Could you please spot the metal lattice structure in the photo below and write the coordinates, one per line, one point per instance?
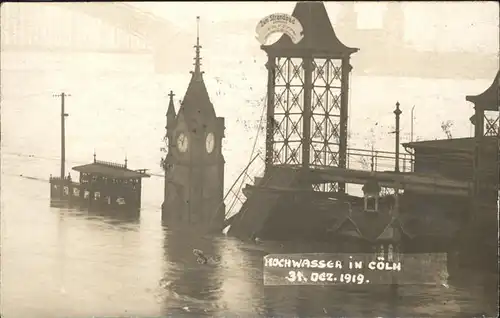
(288, 111)
(486, 122)
(326, 116)
(310, 126)
(308, 87)
(58, 26)
(491, 123)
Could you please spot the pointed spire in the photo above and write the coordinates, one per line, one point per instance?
(197, 60)
(171, 111)
(196, 106)
(94, 156)
(126, 161)
(171, 107)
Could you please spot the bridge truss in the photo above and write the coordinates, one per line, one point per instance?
(75, 27)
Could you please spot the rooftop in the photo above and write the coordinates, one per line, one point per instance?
(319, 36)
(490, 98)
(111, 169)
(196, 105)
(458, 144)
(374, 226)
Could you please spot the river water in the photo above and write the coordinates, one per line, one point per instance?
(67, 263)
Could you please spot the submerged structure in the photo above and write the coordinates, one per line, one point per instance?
(102, 186)
(194, 164)
(302, 194)
(476, 160)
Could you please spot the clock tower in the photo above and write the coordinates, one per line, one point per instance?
(194, 165)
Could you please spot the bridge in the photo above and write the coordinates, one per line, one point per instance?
(125, 29)
(70, 27)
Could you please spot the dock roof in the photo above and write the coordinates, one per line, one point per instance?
(377, 226)
(457, 144)
(111, 169)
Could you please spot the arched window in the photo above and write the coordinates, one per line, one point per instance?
(371, 191)
(390, 251)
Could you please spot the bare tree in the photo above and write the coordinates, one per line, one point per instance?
(164, 150)
(446, 128)
(364, 160)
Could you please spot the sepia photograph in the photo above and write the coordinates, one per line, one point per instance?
(249, 159)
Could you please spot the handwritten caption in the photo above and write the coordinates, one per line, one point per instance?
(331, 269)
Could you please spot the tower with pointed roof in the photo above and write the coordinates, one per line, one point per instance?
(194, 166)
(308, 91)
(348, 17)
(486, 120)
(394, 23)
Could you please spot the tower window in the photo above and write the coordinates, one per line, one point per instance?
(371, 203)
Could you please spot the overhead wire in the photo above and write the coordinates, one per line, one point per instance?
(18, 154)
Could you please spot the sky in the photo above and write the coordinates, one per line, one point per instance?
(436, 25)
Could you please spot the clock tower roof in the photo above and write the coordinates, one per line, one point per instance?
(171, 107)
(196, 105)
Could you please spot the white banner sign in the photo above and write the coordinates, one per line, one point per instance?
(279, 23)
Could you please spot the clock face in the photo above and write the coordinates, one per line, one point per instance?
(210, 142)
(182, 142)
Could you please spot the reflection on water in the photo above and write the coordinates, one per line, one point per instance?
(58, 262)
(189, 286)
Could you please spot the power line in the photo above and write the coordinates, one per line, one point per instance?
(37, 157)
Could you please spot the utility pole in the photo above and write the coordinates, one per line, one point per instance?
(397, 112)
(411, 136)
(412, 119)
(63, 134)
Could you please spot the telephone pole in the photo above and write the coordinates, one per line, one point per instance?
(63, 134)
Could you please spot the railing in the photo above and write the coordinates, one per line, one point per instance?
(360, 159)
(59, 179)
(62, 181)
(111, 164)
(235, 197)
(378, 160)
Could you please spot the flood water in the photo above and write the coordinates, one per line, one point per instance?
(66, 263)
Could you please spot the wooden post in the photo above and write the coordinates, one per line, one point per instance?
(478, 137)
(396, 238)
(139, 192)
